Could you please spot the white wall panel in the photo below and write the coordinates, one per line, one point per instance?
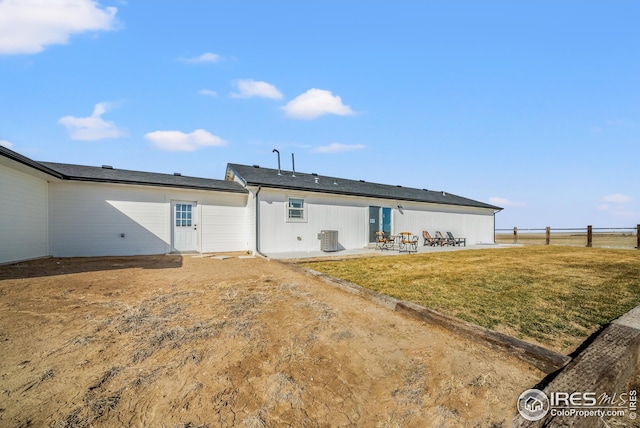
(474, 224)
(350, 217)
(23, 215)
(324, 212)
(223, 223)
(87, 219)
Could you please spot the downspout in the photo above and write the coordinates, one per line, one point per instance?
(258, 224)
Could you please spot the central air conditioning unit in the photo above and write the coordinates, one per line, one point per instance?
(328, 240)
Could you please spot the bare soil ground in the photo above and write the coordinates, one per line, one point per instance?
(199, 342)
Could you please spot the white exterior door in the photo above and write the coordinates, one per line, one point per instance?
(184, 226)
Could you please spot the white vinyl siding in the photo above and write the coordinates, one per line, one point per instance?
(41, 215)
(89, 219)
(23, 216)
(334, 213)
(350, 217)
(296, 210)
(222, 224)
(474, 224)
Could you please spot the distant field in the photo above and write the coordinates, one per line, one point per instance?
(603, 240)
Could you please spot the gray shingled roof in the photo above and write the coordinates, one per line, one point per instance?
(267, 177)
(28, 162)
(123, 176)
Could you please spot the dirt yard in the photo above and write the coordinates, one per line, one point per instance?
(170, 341)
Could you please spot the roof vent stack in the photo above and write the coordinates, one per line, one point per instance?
(293, 165)
(276, 151)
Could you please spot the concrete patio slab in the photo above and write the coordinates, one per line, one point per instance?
(371, 251)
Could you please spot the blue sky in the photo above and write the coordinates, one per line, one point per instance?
(530, 105)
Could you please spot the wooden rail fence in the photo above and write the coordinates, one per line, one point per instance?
(589, 232)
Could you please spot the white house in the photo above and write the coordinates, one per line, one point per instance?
(63, 210)
(289, 209)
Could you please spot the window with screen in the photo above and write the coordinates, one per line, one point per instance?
(296, 209)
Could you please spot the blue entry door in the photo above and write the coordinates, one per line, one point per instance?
(386, 220)
(379, 221)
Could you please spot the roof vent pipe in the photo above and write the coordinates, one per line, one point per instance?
(293, 165)
(276, 151)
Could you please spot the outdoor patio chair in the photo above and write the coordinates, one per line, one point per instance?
(384, 242)
(428, 239)
(408, 242)
(456, 241)
(441, 240)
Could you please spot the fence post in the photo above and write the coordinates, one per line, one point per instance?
(547, 235)
(515, 235)
(638, 238)
(589, 236)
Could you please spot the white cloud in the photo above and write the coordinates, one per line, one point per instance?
(178, 141)
(315, 103)
(504, 202)
(207, 57)
(27, 26)
(616, 198)
(619, 211)
(208, 92)
(250, 88)
(91, 128)
(616, 205)
(338, 148)
(6, 143)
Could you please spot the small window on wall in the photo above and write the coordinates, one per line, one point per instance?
(296, 210)
(183, 215)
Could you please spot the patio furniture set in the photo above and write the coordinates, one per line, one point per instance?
(403, 242)
(440, 240)
(408, 242)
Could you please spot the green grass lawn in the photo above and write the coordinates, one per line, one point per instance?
(555, 296)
